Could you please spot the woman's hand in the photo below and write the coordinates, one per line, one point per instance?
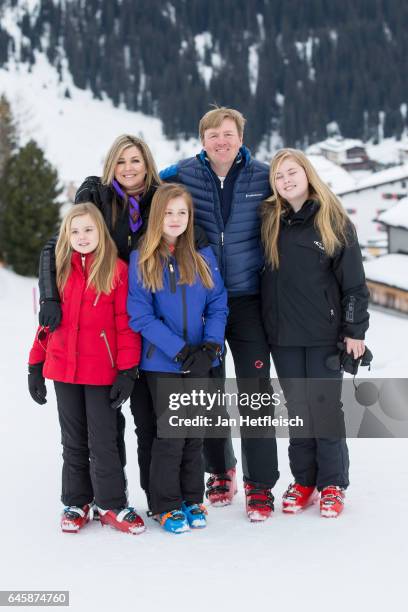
(357, 347)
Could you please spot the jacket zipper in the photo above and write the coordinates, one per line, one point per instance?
(96, 299)
(83, 262)
(172, 278)
(103, 335)
(184, 300)
(219, 219)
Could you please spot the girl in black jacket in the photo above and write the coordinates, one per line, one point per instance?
(313, 296)
(123, 194)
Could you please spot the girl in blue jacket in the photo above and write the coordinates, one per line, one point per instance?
(177, 301)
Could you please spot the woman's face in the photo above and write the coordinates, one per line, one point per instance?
(291, 182)
(175, 219)
(84, 235)
(130, 170)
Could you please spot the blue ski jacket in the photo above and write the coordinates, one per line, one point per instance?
(177, 314)
(236, 244)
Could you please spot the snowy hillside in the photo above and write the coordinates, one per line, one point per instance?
(76, 132)
(291, 562)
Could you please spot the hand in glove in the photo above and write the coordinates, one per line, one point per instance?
(123, 386)
(36, 383)
(199, 362)
(50, 314)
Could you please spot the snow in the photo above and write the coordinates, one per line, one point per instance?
(77, 132)
(357, 561)
(203, 42)
(389, 269)
(253, 67)
(334, 175)
(397, 216)
(391, 175)
(338, 144)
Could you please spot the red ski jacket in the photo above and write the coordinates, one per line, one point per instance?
(94, 339)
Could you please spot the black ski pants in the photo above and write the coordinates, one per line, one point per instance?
(144, 417)
(92, 468)
(176, 467)
(246, 339)
(318, 453)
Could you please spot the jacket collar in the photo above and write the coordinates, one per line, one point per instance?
(81, 262)
(308, 210)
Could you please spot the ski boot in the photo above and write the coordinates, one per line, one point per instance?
(221, 488)
(297, 498)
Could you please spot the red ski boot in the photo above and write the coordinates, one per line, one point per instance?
(331, 501)
(125, 519)
(298, 497)
(74, 518)
(259, 503)
(221, 488)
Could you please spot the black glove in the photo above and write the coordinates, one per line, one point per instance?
(123, 386)
(36, 383)
(50, 314)
(199, 362)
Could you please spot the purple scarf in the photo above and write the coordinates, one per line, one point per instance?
(135, 218)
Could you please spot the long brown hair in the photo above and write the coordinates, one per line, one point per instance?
(119, 145)
(154, 251)
(331, 220)
(102, 270)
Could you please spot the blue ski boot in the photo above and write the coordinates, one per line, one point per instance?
(174, 521)
(196, 515)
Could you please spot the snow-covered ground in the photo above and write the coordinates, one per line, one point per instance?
(290, 563)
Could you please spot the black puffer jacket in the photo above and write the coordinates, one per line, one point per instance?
(313, 299)
(92, 190)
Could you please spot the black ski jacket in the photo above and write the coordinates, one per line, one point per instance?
(313, 299)
(92, 190)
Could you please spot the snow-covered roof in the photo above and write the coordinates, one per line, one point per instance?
(334, 175)
(388, 270)
(391, 175)
(337, 145)
(397, 216)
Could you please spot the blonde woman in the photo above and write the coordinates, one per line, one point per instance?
(92, 358)
(177, 301)
(313, 296)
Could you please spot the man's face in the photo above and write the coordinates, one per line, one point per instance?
(222, 144)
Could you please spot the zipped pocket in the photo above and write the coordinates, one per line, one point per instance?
(332, 313)
(150, 351)
(103, 335)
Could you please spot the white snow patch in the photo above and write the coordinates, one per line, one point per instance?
(388, 269)
(253, 67)
(397, 216)
(261, 26)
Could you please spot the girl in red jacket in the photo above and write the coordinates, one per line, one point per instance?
(92, 358)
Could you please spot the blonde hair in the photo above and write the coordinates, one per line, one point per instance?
(119, 145)
(154, 251)
(331, 220)
(102, 270)
(215, 117)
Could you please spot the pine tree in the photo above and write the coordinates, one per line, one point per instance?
(8, 133)
(8, 142)
(30, 211)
